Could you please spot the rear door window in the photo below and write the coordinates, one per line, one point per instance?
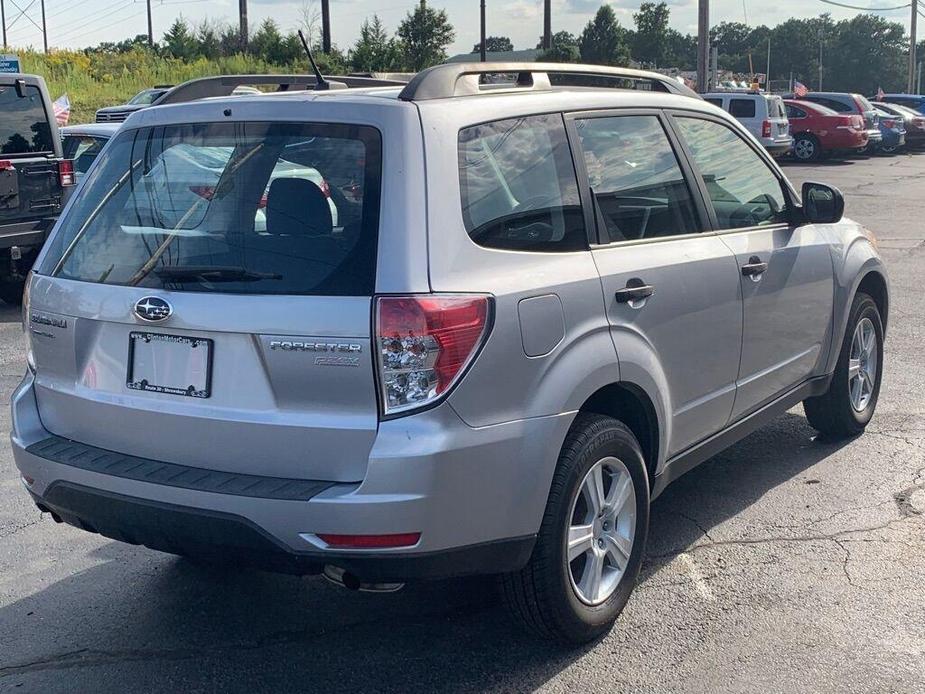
(637, 184)
(24, 126)
(794, 112)
(742, 108)
(518, 186)
(83, 149)
(253, 208)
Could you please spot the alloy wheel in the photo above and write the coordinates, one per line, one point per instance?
(862, 364)
(804, 149)
(602, 525)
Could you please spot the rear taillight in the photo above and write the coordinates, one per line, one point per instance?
(27, 322)
(325, 188)
(424, 343)
(66, 175)
(766, 129)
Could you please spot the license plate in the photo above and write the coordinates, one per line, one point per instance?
(171, 364)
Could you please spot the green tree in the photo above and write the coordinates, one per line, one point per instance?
(867, 52)
(179, 41)
(603, 40)
(375, 51)
(680, 50)
(495, 44)
(650, 43)
(229, 41)
(207, 36)
(425, 34)
(563, 49)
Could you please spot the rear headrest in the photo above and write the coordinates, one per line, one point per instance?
(297, 207)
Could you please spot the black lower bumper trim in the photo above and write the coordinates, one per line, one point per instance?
(229, 538)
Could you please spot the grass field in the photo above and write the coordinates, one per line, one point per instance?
(108, 79)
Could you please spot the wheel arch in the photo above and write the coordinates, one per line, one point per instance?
(631, 405)
(874, 285)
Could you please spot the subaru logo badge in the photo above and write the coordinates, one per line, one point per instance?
(153, 309)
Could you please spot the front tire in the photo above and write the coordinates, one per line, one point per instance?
(592, 538)
(848, 405)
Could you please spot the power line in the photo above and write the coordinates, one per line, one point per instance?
(867, 9)
(22, 13)
(92, 19)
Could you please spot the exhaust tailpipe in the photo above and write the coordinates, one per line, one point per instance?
(345, 579)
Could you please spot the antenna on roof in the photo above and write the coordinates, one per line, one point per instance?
(322, 84)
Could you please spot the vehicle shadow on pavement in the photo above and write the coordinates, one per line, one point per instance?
(143, 621)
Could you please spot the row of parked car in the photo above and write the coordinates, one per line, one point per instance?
(817, 124)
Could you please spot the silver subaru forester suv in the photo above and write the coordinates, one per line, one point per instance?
(548, 292)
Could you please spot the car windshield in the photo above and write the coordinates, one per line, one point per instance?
(146, 98)
(259, 208)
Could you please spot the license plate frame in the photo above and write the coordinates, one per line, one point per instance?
(136, 381)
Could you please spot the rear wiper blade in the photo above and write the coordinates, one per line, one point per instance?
(213, 273)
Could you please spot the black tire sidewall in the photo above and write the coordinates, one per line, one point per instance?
(863, 307)
(616, 441)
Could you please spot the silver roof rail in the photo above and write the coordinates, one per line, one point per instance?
(224, 85)
(466, 79)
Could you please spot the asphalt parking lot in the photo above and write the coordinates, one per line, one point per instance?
(785, 564)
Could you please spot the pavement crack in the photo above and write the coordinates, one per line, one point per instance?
(844, 565)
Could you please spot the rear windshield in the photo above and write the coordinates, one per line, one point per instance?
(776, 107)
(24, 127)
(249, 208)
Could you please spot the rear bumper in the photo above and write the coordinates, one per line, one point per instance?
(25, 234)
(777, 147)
(476, 495)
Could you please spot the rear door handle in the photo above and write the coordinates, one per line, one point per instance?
(635, 290)
(755, 268)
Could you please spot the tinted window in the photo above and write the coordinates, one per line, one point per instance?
(743, 190)
(837, 106)
(715, 102)
(251, 208)
(518, 186)
(638, 187)
(794, 112)
(742, 108)
(24, 127)
(83, 149)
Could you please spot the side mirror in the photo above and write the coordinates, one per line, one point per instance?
(822, 204)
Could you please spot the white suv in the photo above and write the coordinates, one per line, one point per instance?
(763, 114)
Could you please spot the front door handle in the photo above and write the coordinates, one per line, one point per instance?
(755, 268)
(635, 290)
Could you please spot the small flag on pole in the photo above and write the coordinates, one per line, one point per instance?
(800, 90)
(62, 107)
(880, 95)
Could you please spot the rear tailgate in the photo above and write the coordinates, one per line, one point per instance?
(200, 305)
(29, 188)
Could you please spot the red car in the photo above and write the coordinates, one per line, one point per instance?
(819, 130)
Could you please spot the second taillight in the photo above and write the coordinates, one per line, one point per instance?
(424, 343)
(766, 129)
(66, 174)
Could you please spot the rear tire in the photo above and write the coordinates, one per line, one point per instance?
(577, 601)
(11, 291)
(848, 405)
(806, 148)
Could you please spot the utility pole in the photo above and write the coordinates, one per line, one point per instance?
(3, 19)
(482, 47)
(912, 47)
(547, 25)
(703, 45)
(150, 27)
(242, 13)
(44, 29)
(325, 26)
(767, 73)
(820, 59)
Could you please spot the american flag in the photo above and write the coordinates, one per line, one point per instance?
(800, 90)
(62, 107)
(880, 95)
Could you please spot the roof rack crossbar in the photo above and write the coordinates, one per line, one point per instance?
(464, 79)
(224, 85)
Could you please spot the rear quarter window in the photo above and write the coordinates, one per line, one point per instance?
(24, 126)
(742, 108)
(518, 186)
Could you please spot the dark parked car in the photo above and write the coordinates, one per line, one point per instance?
(893, 130)
(818, 130)
(913, 120)
(34, 177)
(914, 101)
(143, 99)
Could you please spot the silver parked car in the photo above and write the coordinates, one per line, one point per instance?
(549, 298)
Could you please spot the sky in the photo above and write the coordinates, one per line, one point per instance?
(76, 24)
